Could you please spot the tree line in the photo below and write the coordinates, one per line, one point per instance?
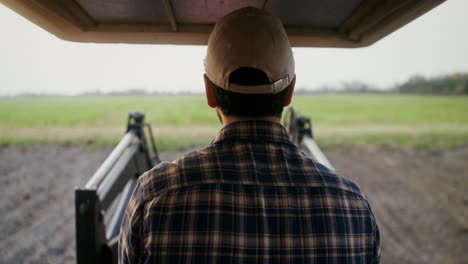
(449, 84)
(456, 84)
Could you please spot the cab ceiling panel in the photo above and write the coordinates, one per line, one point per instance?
(313, 14)
(208, 11)
(125, 11)
(309, 23)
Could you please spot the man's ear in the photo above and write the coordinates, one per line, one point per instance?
(288, 99)
(210, 98)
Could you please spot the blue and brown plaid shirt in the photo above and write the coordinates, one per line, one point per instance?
(249, 197)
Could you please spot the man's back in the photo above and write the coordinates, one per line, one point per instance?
(250, 197)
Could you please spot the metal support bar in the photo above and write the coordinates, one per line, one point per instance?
(114, 225)
(76, 10)
(109, 163)
(156, 158)
(379, 13)
(316, 152)
(365, 8)
(124, 169)
(300, 131)
(170, 14)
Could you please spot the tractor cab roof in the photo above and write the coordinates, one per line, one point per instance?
(318, 23)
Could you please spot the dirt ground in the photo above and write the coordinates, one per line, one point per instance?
(419, 198)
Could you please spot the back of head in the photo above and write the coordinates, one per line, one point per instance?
(249, 60)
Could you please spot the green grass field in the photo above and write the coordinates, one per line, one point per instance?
(185, 121)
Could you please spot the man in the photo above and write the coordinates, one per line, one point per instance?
(251, 196)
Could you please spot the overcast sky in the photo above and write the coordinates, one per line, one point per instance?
(34, 61)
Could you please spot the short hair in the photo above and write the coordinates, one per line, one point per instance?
(249, 105)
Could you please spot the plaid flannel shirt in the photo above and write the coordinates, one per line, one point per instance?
(250, 197)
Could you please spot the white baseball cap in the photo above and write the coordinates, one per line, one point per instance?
(250, 37)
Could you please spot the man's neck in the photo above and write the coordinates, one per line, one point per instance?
(226, 120)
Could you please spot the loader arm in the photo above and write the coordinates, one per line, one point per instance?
(300, 130)
(101, 204)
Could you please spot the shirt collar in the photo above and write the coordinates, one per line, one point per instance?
(262, 131)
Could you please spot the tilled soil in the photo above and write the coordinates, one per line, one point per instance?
(419, 198)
